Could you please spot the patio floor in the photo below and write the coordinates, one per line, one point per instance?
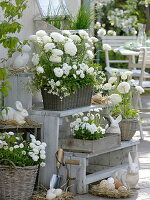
(144, 157)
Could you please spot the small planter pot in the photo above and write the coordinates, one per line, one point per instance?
(80, 98)
(18, 183)
(128, 128)
(92, 146)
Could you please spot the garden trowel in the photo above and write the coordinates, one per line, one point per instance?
(56, 178)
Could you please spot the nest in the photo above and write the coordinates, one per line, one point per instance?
(99, 99)
(41, 195)
(29, 123)
(96, 190)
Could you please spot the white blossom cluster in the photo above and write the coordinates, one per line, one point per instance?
(61, 56)
(60, 45)
(121, 83)
(87, 122)
(37, 150)
(34, 149)
(120, 19)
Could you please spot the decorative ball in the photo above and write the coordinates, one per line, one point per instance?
(117, 184)
(122, 188)
(104, 184)
(111, 180)
(57, 192)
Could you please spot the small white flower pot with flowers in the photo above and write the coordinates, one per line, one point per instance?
(19, 162)
(122, 88)
(63, 69)
(88, 135)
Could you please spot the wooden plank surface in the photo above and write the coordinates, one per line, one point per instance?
(103, 174)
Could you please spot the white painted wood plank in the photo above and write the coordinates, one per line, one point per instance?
(38, 111)
(124, 144)
(103, 174)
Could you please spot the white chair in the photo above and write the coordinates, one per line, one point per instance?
(116, 42)
(144, 78)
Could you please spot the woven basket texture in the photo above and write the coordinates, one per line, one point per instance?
(128, 128)
(18, 183)
(80, 98)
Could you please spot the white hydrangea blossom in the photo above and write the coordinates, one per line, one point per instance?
(41, 33)
(107, 86)
(112, 79)
(49, 46)
(83, 34)
(40, 69)
(46, 39)
(111, 33)
(35, 59)
(55, 58)
(101, 32)
(75, 38)
(58, 72)
(139, 89)
(106, 47)
(115, 98)
(123, 87)
(57, 37)
(70, 48)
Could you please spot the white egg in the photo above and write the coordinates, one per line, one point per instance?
(50, 195)
(57, 192)
(111, 180)
(111, 186)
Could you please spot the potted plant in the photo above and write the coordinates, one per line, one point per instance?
(121, 88)
(88, 134)
(19, 161)
(64, 70)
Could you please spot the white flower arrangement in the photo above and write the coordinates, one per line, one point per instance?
(86, 126)
(66, 59)
(120, 19)
(121, 88)
(22, 153)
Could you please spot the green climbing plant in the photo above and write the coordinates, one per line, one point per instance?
(12, 10)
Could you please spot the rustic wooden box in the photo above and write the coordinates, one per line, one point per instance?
(91, 146)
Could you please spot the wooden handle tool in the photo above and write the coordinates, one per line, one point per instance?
(59, 157)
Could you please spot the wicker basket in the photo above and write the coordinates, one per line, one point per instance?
(128, 128)
(80, 98)
(18, 183)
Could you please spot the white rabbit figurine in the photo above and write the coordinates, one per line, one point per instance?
(114, 125)
(22, 59)
(16, 115)
(129, 177)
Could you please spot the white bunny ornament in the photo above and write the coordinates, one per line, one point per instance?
(129, 177)
(16, 115)
(114, 125)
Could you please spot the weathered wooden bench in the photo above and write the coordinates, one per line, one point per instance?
(97, 166)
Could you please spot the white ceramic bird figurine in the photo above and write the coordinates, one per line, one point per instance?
(22, 59)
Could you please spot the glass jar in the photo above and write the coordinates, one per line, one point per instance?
(141, 34)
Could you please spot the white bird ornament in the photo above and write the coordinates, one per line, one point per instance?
(22, 59)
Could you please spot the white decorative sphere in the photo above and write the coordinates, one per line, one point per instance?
(111, 180)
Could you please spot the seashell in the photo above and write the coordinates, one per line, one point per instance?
(104, 184)
(111, 180)
(117, 184)
(57, 192)
(122, 188)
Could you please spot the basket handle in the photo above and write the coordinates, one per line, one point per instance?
(9, 162)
